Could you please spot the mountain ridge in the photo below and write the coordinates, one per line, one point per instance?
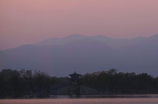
(84, 55)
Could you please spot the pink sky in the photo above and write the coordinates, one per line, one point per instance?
(30, 21)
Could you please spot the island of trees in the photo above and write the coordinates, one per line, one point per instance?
(15, 83)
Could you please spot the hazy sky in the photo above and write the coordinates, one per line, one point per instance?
(30, 21)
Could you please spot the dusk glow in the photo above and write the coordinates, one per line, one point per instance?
(79, 51)
(31, 21)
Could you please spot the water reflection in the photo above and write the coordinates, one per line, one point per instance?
(94, 96)
(108, 99)
(82, 101)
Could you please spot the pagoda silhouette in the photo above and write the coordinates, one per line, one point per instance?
(74, 84)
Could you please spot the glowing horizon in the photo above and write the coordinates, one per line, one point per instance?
(30, 21)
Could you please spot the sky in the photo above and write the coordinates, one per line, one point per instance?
(31, 21)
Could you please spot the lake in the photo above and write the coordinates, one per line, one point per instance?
(134, 99)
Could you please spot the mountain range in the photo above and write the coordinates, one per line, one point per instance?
(85, 54)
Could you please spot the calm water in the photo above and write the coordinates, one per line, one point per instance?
(108, 100)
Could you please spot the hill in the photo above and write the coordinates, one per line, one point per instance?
(85, 54)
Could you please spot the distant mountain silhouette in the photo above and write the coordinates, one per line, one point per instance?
(61, 41)
(85, 54)
(113, 43)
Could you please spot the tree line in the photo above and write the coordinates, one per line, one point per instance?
(16, 83)
(114, 82)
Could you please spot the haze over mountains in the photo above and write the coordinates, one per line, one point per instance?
(85, 54)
